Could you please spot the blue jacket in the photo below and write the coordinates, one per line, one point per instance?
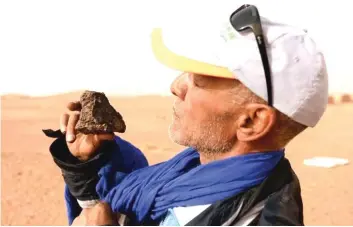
(133, 159)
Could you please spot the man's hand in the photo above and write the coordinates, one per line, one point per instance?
(100, 214)
(81, 146)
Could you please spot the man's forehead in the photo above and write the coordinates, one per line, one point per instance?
(210, 81)
(199, 77)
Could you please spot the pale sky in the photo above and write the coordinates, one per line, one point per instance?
(69, 45)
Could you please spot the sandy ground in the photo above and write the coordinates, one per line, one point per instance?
(32, 187)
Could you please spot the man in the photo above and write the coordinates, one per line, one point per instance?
(241, 100)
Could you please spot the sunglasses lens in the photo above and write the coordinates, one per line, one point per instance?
(245, 17)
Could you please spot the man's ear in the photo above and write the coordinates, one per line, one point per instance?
(256, 121)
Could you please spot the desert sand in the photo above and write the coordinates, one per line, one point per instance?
(32, 186)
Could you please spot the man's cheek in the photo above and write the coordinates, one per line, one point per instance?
(196, 112)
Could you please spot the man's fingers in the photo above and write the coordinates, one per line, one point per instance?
(68, 120)
(74, 106)
(64, 119)
(70, 133)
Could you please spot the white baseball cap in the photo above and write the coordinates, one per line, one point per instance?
(298, 69)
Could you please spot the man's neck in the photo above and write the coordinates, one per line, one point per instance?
(239, 149)
(207, 156)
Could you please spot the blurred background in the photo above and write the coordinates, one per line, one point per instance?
(57, 46)
(52, 50)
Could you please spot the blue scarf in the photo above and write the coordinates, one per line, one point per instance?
(182, 181)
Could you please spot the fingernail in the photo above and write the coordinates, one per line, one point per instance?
(70, 138)
(63, 130)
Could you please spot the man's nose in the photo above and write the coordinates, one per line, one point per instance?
(179, 86)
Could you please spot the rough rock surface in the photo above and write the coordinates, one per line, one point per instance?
(98, 116)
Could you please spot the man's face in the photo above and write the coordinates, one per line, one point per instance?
(204, 112)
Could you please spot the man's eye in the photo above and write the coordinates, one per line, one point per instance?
(199, 83)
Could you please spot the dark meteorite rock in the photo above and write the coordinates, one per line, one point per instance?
(98, 116)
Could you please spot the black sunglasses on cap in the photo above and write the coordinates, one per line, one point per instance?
(247, 17)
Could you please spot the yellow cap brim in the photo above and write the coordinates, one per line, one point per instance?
(184, 64)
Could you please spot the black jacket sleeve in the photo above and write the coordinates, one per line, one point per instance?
(81, 177)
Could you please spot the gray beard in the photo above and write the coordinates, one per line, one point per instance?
(207, 139)
(211, 152)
